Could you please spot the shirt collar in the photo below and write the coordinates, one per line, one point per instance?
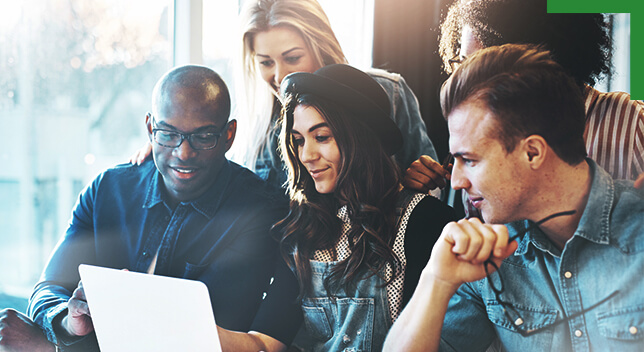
(594, 224)
(207, 204)
(154, 195)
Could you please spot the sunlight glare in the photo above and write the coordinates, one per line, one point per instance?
(10, 13)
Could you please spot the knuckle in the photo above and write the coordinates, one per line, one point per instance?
(476, 240)
(500, 229)
(463, 221)
(451, 227)
(475, 221)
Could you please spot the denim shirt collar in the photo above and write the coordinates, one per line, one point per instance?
(206, 204)
(594, 224)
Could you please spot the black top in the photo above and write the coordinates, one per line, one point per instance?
(280, 315)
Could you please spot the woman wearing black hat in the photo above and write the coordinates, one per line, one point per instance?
(354, 240)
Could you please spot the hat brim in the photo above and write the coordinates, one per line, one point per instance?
(354, 90)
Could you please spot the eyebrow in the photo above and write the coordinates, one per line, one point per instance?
(198, 130)
(313, 128)
(459, 154)
(283, 54)
(319, 125)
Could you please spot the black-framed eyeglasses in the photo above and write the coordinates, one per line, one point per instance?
(510, 312)
(197, 141)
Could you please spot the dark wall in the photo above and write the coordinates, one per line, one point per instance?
(406, 42)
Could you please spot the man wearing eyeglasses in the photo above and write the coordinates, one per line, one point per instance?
(572, 280)
(188, 213)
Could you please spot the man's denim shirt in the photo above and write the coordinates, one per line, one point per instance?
(543, 283)
(404, 111)
(122, 219)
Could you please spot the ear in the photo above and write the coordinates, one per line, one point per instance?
(534, 149)
(148, 125)
(231, 130)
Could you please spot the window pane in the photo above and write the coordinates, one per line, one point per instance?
(75, 86)
(352, 23)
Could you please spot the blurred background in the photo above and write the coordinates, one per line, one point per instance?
(76, 78)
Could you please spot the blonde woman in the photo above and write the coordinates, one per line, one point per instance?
(280, 37)
(285, 36)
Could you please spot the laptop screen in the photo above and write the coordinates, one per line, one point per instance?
(140, 312)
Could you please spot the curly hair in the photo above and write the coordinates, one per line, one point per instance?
(578, 42)
(368, 183)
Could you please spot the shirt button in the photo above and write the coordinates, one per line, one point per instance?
(578, 333)
(567, 274)
(632, 330)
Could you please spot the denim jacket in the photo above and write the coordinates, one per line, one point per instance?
(545, 284)
(404, 111)
(122, 218)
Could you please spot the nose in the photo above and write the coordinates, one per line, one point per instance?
(184, 151)
(308, 153)
(280, 72)
(459, 180)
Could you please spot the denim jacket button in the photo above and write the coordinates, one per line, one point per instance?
(578, 333)
(567, 274)
(632, 330)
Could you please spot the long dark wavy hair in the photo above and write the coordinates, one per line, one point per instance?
(368, 183)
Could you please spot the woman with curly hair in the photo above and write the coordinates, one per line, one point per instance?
(354, 240)
(580, 43)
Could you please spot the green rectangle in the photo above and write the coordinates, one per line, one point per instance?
(636, 9)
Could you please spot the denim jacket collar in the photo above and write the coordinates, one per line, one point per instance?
(206, 204)
(594, 224)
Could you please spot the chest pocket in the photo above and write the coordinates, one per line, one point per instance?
(533, 318)
(340, 324)
(625, 324)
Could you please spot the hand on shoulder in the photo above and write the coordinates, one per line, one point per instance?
(425, 174)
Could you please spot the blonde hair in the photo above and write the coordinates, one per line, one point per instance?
(256, 100)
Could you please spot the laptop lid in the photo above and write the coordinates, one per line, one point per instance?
(140, 312)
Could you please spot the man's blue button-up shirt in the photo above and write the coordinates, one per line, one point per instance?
(122, 220)
(546, 284)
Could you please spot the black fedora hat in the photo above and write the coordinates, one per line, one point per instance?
(354, 90)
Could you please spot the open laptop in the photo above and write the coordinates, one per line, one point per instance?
(141, 312)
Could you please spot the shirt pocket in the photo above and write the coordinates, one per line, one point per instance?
(340, 324)
(533, 318)
(626, 324)
(317, 323)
